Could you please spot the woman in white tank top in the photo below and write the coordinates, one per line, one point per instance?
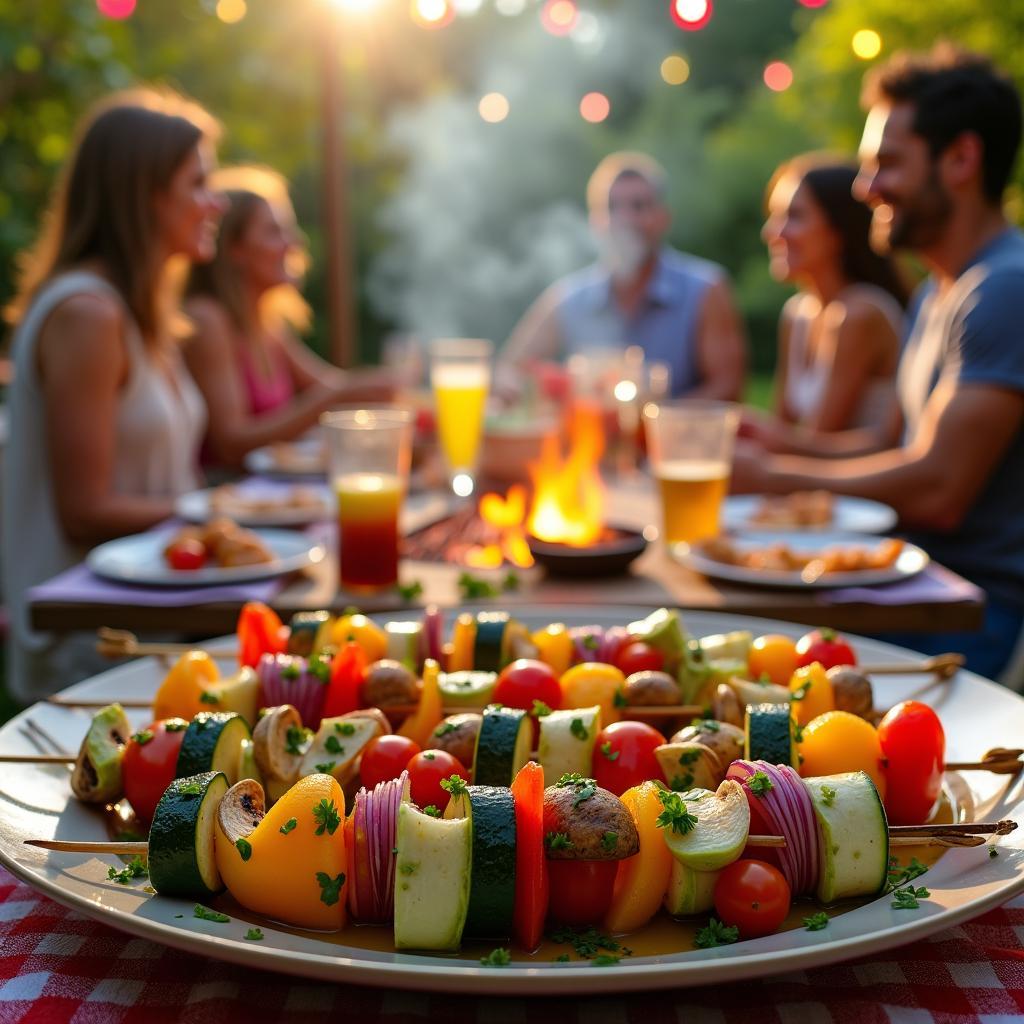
(105, 423)
(839, 336)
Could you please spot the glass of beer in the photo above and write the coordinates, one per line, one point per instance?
(690, 445)
(368, 456)
(460, 377)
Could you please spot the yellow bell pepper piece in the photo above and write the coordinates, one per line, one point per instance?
(593, 682)
(420, 725)
(642, 880)
(324, 635)
(463, 642)
(555, 646)
(292, 874)
(180, 694)
(812, 693)
(365, 632)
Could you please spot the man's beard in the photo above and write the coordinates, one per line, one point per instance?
(920, 223)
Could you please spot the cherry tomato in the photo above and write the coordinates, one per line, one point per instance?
(150, 760)
(526, 680)
(639, 657)
(580, 890)
(773, 656)
(186, 554)
(624, 756)
(914, 748)
(753, 896)
(385, 758)
(426, 772)
(825, 646)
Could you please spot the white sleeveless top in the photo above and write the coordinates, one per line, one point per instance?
(158, 430)
(806, 382)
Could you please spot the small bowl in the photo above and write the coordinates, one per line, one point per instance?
(609, 556)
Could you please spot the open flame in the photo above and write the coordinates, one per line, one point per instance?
(568, 498)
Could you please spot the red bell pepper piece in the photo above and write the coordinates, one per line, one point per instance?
(348, 672)
(531, 905)
(260, 631)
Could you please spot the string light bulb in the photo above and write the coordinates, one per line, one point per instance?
(691, 15)
(778, 76)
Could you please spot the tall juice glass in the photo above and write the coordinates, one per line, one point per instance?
(690, 445)
(460, 376)
(368, 451)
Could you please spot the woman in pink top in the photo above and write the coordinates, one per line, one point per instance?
(261, 382)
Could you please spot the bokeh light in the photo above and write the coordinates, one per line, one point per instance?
(230, 11)
(115, 8)
(356, 6)
(866, 43)
(778, 76)
(559, 17)
(432, 13)
(691, 15)
(812, 3)
(510, 8)
(493, 107)
(595, 107)
(674, 69)
(467, 6)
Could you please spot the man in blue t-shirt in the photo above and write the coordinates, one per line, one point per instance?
(939, 144)
(677, 308)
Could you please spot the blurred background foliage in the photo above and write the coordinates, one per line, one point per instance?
(457, 223)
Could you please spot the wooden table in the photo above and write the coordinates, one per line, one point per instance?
(654, 580)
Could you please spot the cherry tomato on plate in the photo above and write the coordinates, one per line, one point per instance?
(624, 756)
(826, 647)
(427, 770)
(526, 680)
(639, 657)
(914, 747)
(186, 554)
(580, 891)
(773, 656)
(753, 896)
(385, 758)
(150, 762)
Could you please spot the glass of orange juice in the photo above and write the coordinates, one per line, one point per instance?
(368, 456)
(460, 377)
(690, 444)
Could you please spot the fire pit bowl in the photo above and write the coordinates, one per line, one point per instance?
(609, 556)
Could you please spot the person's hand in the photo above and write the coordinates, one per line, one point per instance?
(762, 428)
(749, 475)
(369, 384)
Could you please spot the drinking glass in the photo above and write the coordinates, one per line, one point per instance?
(460, 376)
(368, 455)
(690, 445)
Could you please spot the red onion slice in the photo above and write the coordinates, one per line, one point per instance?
(586, 642)
(377, 811)
(433, 632)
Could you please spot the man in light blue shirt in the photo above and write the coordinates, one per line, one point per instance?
(677, 308)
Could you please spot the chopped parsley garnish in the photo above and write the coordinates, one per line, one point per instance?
(900, 876)
(206, 914)
(619, 700)
(585, 788)
(558, 841)
(706, 724)
(681, 783)
(604, 960)
(578, 729)
(688, 757)
(345, 728)
(244, 847)
(801, 691)
(287, 827)
(190, 789)
(714, 933)
(296, 739)
(433, 810)
(208, 697)
(496, 958)
(444, 728)
(906, 899)
(429, 755)
(510, 582)
(455, 785)
(563, 958)
(540, 709)
(409, 867)
(135, 868)
(609, 839)
(828, 795)
(254, 934)
(330, 888)
(759, 784)
(816, 922)
(590, 642)
(993, 852)
(326, 768)
(143, 737)
(606, 749)
(327, 815)
(409, 591)
(175, 724)
(587, 944)
(333, 746)
(291, 671)
(676, 814)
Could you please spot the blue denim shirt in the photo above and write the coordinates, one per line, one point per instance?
(664, 325)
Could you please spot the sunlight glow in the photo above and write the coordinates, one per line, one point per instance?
(559, 17)
(356, 6)
(674, 69)
(432, 13)
(866, 43)
(493, 107)
(231, 11)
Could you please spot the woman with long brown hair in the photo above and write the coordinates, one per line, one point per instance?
(261, 382)
(839, 335)
(105, 422)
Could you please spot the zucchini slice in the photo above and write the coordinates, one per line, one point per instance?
(182, 861)
(769, 734)
(690, 892)
(567, 740)
(467, 689)
(502, 746)
(213, 742)
(489, 648)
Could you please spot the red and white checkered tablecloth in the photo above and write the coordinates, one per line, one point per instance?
(58, 966)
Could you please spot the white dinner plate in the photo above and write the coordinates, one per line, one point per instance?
(910, 562)
(849, 515)
(304, 458)
(140, 559)
(35, 801)
(270, 503)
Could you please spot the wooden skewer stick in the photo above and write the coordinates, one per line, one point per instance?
(64, 846)
(93, 705)
(945, 666)
(122, 643)
(1000, 760)
(36, 759)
